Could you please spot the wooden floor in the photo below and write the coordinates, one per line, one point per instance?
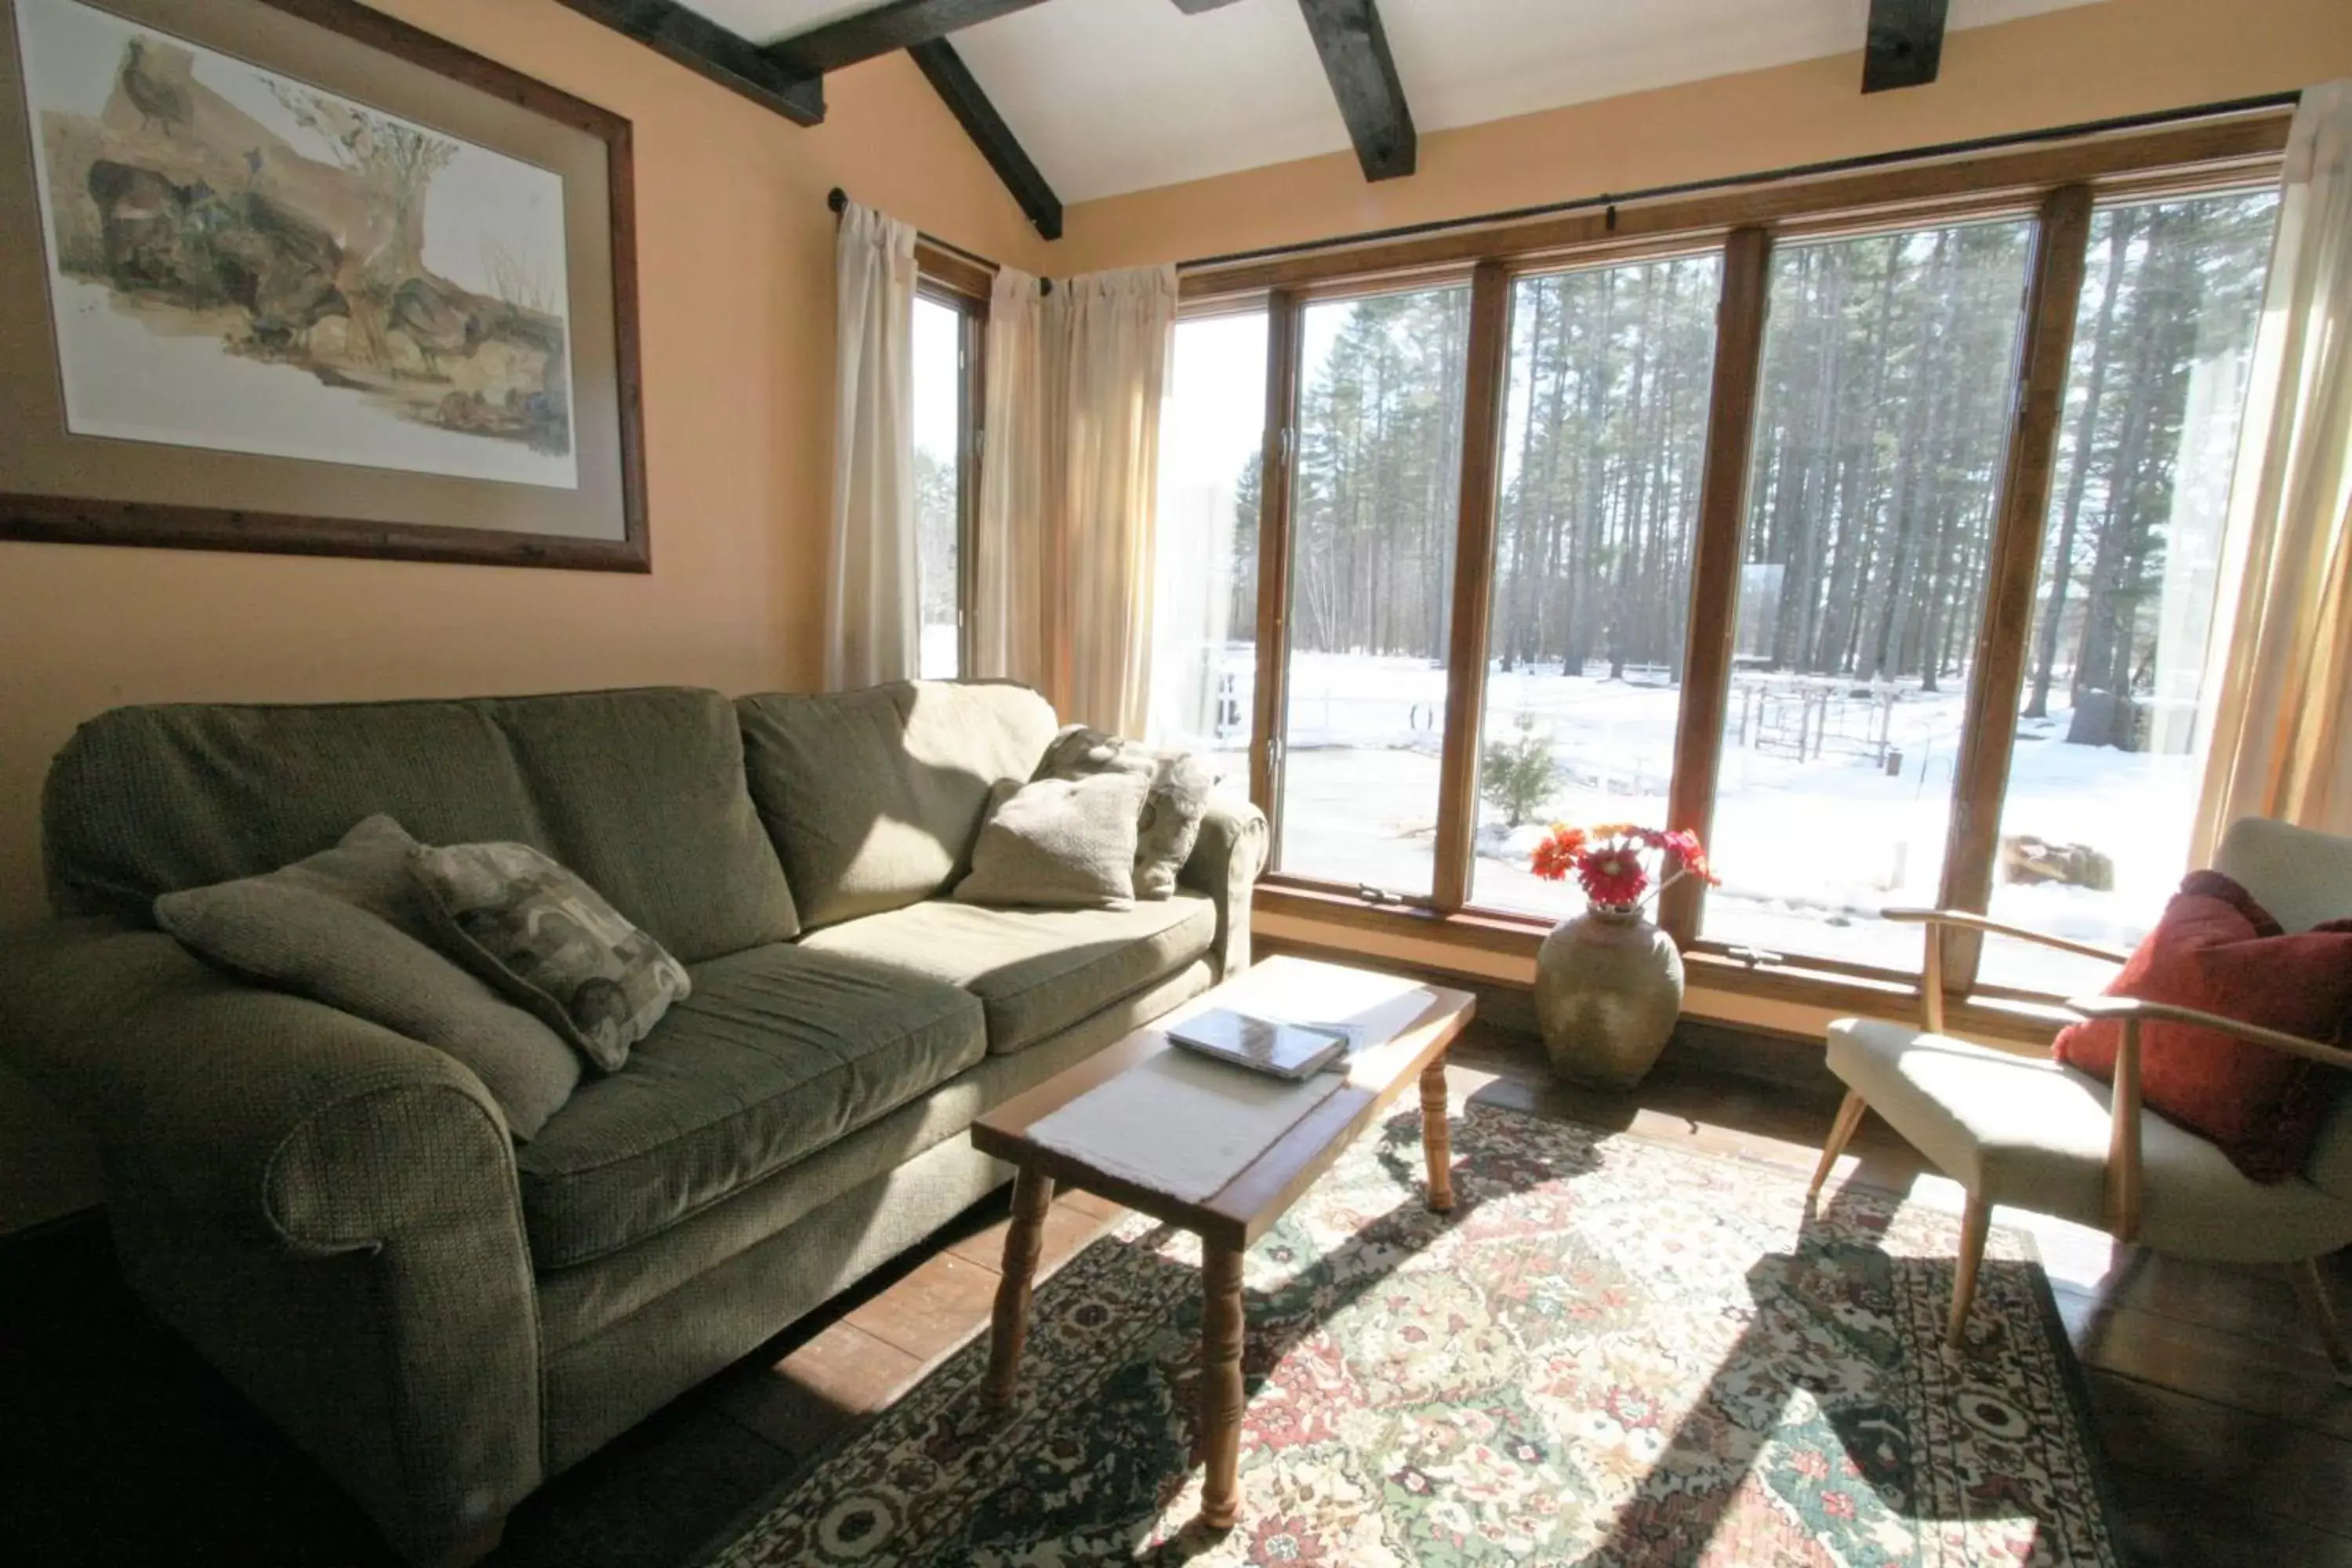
(2227, 1441)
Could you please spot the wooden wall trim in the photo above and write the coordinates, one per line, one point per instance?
(1488, 387)
(710, 50)
(1469, 932)
(1997, 672)
(2253, 139)
(1272, 652)
(954, 274)
(1715, 558)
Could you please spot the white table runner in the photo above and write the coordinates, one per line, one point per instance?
(1180, 1123)
(1187, 1124)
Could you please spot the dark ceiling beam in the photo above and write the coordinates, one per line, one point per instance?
(885, 29)
(1355, 51)
(953, 80)
(702, 46)
(1905, 44)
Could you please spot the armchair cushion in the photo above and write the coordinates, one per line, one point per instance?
(2031, 1132)
(2218, 950)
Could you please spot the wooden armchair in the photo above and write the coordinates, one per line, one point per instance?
(2031, 1132)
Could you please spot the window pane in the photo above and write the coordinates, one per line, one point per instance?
(2104, 783)
(939, 483)
(1372, 575)
(1603, 438)
(1881, 424)
(1204, 611)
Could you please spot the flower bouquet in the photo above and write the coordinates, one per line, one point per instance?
(1610, 862)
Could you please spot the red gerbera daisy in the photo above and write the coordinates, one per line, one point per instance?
(1613, 874)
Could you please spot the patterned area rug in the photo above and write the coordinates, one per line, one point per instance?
(1612, 1352)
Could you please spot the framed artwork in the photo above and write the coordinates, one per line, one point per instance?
(309, 281)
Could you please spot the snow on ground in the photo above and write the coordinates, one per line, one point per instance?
(1810, 848)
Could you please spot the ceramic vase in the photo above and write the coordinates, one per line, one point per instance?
(1608, 986)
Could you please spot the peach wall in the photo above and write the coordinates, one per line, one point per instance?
(2090, 62)
(735, 273)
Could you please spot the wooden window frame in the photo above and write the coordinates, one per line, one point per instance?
(962, 286)
(2054, 185)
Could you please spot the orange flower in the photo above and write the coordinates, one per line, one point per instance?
(1554, 857)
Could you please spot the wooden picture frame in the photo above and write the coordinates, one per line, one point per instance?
(459, 384)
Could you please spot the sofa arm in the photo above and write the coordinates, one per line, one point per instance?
(1225, 864)
(326, 1209)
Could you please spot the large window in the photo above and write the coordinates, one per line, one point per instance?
(2103, 784)
(1204, 604)
(1747, 491)
(1881, 420)
(1376, 484)
(1602, 445)
(943, 473)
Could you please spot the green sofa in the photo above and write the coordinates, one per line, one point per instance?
(336, 1216)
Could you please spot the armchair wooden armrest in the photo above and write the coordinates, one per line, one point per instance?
(2123, 1174)
(1931, 986)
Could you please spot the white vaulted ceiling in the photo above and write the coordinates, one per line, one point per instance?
(1110, 96)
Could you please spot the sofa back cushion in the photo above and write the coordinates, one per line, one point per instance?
(640, 792)
(874, 797)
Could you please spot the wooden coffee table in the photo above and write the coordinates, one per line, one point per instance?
(1229, 1220)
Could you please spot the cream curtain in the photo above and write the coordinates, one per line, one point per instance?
(2279, 743)
(1121, 333)
(873, 609)
(1018, 519)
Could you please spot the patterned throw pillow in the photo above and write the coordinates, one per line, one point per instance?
(1176, 797)
(547, 939)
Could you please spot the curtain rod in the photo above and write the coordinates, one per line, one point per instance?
(1760, 177)
(838, 199)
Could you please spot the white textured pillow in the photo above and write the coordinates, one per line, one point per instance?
(1058, 844)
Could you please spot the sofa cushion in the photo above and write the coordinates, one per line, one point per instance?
(874, 797)
(1035, 971)
(779, 1052)
(640, 792)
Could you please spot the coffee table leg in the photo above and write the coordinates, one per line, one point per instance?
(1033, 1195)
(1436, 1144)
(1220, 1386)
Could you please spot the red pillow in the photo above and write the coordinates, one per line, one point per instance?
(2218, 950)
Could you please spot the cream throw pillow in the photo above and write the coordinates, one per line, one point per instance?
(1058, 844)
(1174, 801)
